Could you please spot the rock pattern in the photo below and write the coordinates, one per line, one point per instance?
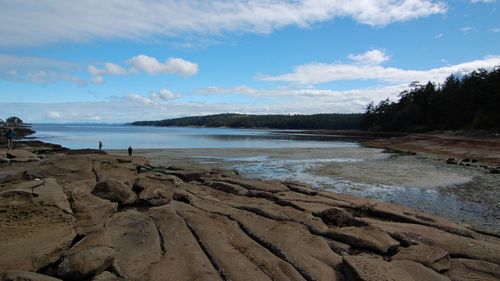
(91, 216)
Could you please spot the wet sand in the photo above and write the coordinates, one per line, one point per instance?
(466, 195)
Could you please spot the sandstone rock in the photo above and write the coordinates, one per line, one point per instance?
(14, 275)
(86, 263)
(338, 217)
(115, 191)
(153, 191)
(227, 187)
(418, 272)
(420, 253)
(369, 238)
(36, 229)
(305, 251)
(21, 160)
(107, 276)
(299, 199)
(261, 185)
(249, 260)
(71, 172)
(373, 269)
(454, 244)
(137, 242)
(184, 259)
(467, 269)
(91, 212)
(106, 167)
(20, 153)
(399, 213)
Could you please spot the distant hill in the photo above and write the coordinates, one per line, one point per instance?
(276, 121)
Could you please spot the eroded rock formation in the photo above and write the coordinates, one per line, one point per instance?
(92, 216)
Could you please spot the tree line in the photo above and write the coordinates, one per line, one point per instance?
(13, 120)
(468, 102)
(274, 121)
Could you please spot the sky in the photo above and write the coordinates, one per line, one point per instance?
(118, 61)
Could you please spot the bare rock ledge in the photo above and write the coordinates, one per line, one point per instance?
(92, 216)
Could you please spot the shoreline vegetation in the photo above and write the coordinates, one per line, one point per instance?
(468, 103)
(84, 214)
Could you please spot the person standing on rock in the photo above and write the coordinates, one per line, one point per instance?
(100, 145)
(129, 151)
(10, 138)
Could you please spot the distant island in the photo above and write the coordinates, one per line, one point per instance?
(275, 121)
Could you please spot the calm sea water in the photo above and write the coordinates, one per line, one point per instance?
(121, 136)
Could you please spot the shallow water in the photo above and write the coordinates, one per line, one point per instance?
(122, 136)
(463, 194)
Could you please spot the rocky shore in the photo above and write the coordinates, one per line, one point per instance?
(85, 215)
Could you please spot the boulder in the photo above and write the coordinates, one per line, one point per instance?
(153, 192)
(89, 262)
(14, 275)
(91, 212)
(115, 191)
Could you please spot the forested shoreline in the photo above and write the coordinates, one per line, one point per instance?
(275, 121)
(467, 103)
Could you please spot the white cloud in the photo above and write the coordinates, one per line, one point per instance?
(138, 99)
(54, 115)
(371, 57)
(108, 69)
(33, 22)
(155, 99)
(163, 94)
(37, 69)
(317, 73)
(151, 65)
(467, 29)
(494, 30)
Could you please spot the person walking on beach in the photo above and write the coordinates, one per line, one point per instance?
(10, 138)
(129, 151)
(100, 145)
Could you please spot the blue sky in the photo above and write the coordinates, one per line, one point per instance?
(117, 61)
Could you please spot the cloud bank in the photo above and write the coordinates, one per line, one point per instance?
(367, 67)
(33, 22)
